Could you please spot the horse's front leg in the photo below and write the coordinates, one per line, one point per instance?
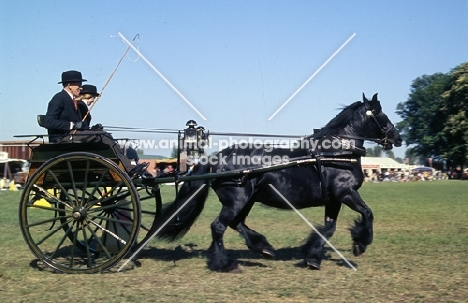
(312, 250)
(362, 231)
(255, 241)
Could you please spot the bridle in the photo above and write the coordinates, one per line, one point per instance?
(384, 130)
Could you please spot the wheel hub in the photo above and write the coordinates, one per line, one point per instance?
(79, 213)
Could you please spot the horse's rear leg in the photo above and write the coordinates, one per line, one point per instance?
(255, 241)
(362, 231)
(313, 248)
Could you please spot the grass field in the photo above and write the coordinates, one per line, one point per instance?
(418, 255)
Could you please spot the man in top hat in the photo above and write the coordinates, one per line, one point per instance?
(63, 113)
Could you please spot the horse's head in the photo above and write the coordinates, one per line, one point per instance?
(377, 125)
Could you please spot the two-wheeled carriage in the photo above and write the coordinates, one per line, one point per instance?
(81, 212)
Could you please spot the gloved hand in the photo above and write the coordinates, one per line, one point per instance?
(80, 125)
(97, 127)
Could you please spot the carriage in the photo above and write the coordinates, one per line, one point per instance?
(81, 212)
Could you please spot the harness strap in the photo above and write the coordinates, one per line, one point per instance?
(321, 173)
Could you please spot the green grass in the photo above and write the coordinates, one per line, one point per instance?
(418, 255)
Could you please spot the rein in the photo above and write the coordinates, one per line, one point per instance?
(172, 131)
(369, 113)
(376, 140)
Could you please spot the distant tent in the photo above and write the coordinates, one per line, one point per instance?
(380, 163)
(12, 168)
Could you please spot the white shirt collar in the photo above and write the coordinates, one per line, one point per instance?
(70, 94)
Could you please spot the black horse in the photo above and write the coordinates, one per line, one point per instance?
(326, 172)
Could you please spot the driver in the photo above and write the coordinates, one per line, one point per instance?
(64, 122)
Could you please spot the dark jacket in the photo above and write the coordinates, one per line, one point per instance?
(84, 110)
(60, 112)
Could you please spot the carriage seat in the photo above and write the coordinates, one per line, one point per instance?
(40, 120)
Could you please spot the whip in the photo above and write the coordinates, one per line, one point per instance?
(107, 82)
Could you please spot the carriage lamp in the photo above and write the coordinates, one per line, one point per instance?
(202, 138)
(190, 136)
(194, 139)
(192, 143)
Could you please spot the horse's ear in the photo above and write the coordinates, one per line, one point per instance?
(364, 99)
(372, 104)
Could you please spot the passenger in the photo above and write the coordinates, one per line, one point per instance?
(64, 122)
(86, 98)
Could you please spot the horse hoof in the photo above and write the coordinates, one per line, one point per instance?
(226, 266)
(231, 267)
(314, 265)
(268, 254)
(358, 249)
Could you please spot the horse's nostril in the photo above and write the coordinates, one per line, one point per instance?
(398, 141)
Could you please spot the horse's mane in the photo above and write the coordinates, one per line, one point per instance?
(341, 120)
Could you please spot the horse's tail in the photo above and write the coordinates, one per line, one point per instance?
(190, 202)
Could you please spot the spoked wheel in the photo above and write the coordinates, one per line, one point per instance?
(151, 207)
(80, 213)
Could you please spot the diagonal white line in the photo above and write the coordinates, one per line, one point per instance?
(311, 77)
(159, 229)
(313, 227)
(162, 76)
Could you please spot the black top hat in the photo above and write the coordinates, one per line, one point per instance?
(89, 89)
(72, 76)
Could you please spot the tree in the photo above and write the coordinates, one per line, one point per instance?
(175, 152)
(422, 115)
(411, 155)
(435, 117)
(389, 153)
(455, 108)
(375, 151)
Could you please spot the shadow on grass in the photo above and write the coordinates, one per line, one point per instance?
(244, 256)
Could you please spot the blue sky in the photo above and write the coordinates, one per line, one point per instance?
(237, 62)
